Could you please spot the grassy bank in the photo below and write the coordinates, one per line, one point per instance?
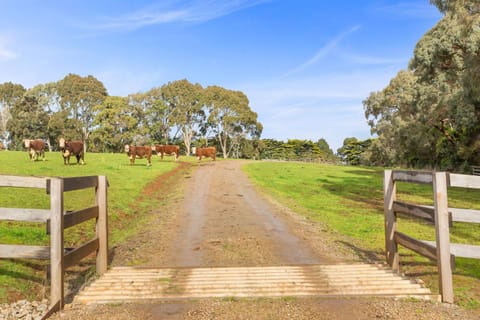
(349, 202)
(26, 278)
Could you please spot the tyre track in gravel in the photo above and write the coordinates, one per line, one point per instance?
(225, 222)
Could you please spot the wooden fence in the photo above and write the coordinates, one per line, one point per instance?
(57, 221)
(440, 250)
(476, 170)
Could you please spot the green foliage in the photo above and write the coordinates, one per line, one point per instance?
(185, 99)
(429, 115)
(10, 93)
(78, 96)
(28, 121)
(115, 125)
(79, 108)
(446, 6)
(159, 116)
(295, 149)
(356, 152)
(230, 118)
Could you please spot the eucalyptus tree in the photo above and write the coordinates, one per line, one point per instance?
(159, 115)
(401, 123)
(325, 152)
(429, 115)
(78, 96)
(248, 149)
(10, 93)
(472, 6)
(230, 118)
(115, 124)
(443, 61)
(48, 98)
(139, 109)
(185, 101)
(28, 121)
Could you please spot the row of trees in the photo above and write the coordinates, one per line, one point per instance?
(179, 113)
(80, 108)
(429, 114)
(297, 150)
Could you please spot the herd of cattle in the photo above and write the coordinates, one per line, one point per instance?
(36, 149)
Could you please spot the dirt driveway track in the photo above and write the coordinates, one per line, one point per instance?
(213, 216)
(227, 223)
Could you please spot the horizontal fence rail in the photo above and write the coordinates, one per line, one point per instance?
(476, 170)
(440, 250)
(57, 220)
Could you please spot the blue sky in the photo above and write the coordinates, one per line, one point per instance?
(305, 65)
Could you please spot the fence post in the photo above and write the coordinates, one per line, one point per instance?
(102, 225)
(56, 243)
(443, 236)
(391, 247)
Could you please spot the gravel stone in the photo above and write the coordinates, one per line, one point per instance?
(23, 309)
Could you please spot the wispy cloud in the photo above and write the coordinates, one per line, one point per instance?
(371, 60)
(324, 51)
(421, 10)
(5, 53)
(327, 105)
(194, 11)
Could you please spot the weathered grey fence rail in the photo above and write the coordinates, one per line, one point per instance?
(57, 221)
(476, 170)
(440, 250)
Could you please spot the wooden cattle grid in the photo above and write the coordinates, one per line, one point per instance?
(129, 284)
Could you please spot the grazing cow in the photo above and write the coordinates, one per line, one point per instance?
(139, 152)
(1, 146)
(35, 148)
(69, 148)
(167, 149)
(205, 152)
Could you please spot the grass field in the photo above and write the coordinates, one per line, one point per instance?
(21, 278)
(348, 201)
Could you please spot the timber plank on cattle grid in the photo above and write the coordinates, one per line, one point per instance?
(129, 284)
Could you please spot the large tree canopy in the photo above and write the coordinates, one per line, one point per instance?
(28, 121)
(48, 99)
(10, 93)
(429, 115)
(159, 116)
(79, 107)
(185, 99)
(115, 125)
(444, 6)
(230, 117)
(78, 96)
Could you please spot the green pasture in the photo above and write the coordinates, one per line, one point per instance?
(348, 202)
(125, 186)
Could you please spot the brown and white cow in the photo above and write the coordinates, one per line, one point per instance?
(161, 150)
(139, 152)
(35, 148)
(208, 152)
(69, 148)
